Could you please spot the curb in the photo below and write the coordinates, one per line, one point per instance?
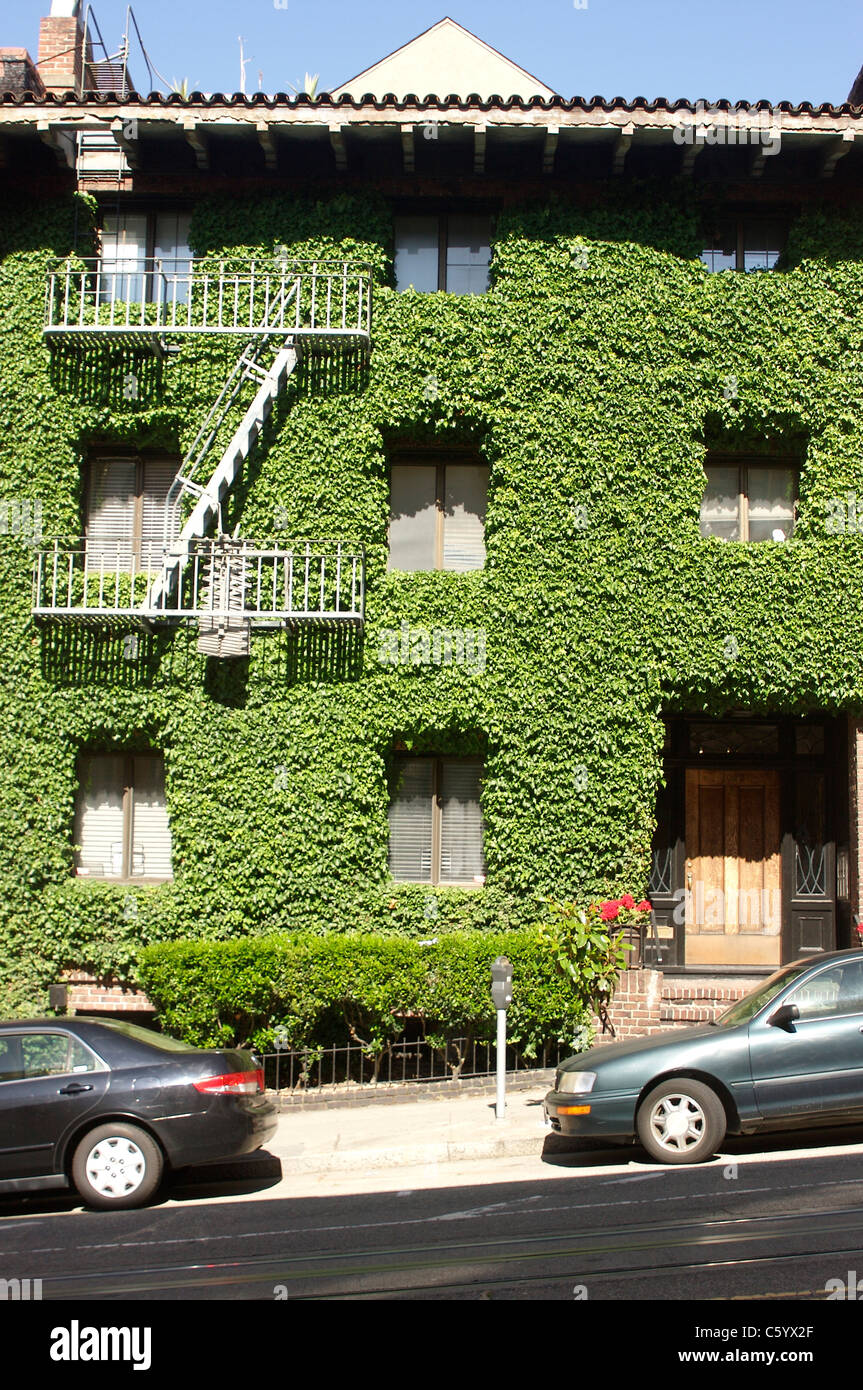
(371, 1160)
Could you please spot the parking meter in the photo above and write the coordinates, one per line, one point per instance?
(501, 982)
(501, 996)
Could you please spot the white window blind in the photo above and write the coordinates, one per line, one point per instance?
(464, 519)
(121, 822)
(151, 834)
(417, 241)
(158, 475)
(461, 856)
(99, 827)
(111, 515)
(410, 856)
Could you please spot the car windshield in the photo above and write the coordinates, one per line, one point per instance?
(749, 1006)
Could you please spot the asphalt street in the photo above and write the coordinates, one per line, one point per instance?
(763, 1221)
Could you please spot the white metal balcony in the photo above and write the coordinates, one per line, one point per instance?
(139, 299)
(222, 581)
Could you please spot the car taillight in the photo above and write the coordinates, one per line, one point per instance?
(233, 1083)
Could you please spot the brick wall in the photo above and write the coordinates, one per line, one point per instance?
(60, 55)
(18, 73)
(87, 994)
(646, 1003)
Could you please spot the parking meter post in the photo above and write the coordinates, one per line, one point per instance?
(500, 1108)
(501, 995)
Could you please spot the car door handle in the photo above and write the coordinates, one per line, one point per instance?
(74, 1089)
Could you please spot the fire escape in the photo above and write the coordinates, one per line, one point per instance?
(197, 575)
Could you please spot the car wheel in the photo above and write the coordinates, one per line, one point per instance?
(117, 1166)
(681, 1122)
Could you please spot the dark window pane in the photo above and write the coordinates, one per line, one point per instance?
(461, 823)
(464, 518)
(410, 818)
(720, 247)
(417, 241)
(771, 503)
(763, 240)
(468, 253)
(722, 739)
(809, 740)
(720, 504)
(413, 517)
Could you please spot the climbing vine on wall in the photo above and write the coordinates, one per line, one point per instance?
(591, 378)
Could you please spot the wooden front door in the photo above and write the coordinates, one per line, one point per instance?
(733, 867)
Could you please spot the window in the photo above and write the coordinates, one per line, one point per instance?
(437, 514)
(443, 251)
(121, 824)
(744, 243)
(130, 240)
(748, 501)
(832, 992)
(27, 1055)
(436, 821)
(126, 510)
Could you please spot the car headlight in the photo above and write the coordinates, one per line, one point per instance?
(577, 1083)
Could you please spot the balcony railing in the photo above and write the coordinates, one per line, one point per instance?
(106, 581)
(318, 299)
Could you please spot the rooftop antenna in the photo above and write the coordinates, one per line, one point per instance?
(243, 62)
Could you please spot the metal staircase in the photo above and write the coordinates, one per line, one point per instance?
(221, 584)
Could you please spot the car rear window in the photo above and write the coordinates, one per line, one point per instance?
(145, 1035)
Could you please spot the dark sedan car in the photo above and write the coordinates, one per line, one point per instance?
(108, 1106)
(788, 1055)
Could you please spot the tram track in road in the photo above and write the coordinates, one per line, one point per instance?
(633, 1252)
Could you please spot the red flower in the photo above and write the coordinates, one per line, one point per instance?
(643, 907)
(609, 911)
(627, 900)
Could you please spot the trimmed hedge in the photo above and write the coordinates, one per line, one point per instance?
(310, 990)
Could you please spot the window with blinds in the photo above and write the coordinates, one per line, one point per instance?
(126, 511)
(436, 822)
(132, 239)
(437, 514)
(121, 820)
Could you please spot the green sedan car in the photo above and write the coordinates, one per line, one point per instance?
(789, 1055)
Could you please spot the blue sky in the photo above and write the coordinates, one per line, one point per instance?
(794, 50)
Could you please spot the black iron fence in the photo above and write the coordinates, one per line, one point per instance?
(319, 1070)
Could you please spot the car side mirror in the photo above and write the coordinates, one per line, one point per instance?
(784, 1017)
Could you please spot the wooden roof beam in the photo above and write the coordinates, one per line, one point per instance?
(408, 133)
(836, 150)
(549, 149)
(621, 148)
(479, 136)
(64, 143)
(196, 137)
(337, 141)
(267, 141)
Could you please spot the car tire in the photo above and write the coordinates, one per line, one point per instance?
(661, 1117)
(116, 1167)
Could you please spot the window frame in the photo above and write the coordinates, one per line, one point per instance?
(152, 212)
(443, 216)
(442, 459)
(128, 835)
(105, 455)
(437, 760)
(743, 462)
(741, 220)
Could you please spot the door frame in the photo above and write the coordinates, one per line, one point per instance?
(815, 915)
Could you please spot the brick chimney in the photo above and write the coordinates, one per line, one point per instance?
(60, 48)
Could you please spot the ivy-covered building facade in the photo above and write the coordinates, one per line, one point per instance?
(414, 508)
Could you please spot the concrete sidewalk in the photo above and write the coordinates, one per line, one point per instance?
(422, 1130)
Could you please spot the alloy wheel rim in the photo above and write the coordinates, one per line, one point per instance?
(677, 1123)
(115, 1167)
